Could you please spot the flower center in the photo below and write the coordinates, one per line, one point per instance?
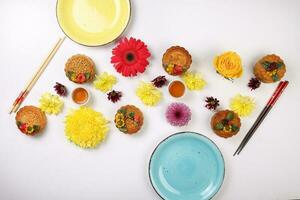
(212, 102)
(130, 57)
(177, 114)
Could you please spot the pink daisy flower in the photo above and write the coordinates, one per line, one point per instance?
(178, 114)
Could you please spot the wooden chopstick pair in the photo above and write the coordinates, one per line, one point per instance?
(18, 101)
(280, 88)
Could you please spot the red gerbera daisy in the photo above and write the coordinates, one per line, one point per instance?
(130, 57)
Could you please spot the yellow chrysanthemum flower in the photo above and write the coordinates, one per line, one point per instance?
(148, 94)
(242, 105)
(104, 82)
(193, 81)
(86, 127)
(229, 65)
(50, 103)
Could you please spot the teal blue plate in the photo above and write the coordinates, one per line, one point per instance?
(186, 166)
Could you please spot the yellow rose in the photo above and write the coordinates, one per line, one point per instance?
(229, 65)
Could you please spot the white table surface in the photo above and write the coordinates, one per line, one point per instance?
(50, 167)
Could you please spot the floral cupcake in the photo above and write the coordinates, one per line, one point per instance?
(269, 69)
(31, 120)
(129, 119)
(225, 123)
(176, 60)
(229, 65)
(80, 69)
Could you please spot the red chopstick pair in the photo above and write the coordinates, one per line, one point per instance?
(280, 88)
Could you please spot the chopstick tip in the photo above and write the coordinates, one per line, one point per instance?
(235, 152)
(11, 110)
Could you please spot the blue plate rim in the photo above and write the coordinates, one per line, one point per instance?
(178, 133)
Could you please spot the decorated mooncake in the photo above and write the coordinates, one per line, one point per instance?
(225, 123)
(31, 120)
(129, 119)
(176, 60)
(80, 69)
(269, 69)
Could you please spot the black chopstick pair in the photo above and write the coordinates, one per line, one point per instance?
(280, 88)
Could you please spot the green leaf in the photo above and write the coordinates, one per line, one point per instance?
(69, 74)
(87, 75)
(29, 128)
(275, 77)
(36, 127)
(266, 64)
(234, 128)
(131, 115)
(122, 111)
(19, 123)
(230, 116)
(219, 126)
(279, 64)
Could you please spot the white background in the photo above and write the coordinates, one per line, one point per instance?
(50, 167)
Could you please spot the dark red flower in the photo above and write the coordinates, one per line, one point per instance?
(60, 89)
(254, 83)
(272, 66)
(211, 103)
(159, 81)
(114, 96)
(80, 78)
(130, 57)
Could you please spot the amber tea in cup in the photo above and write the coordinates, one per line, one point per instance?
(80, 95)
(176, 89)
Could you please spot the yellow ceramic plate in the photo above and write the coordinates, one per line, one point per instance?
(93, 22)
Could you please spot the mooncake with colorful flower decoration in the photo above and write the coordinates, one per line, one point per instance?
(31, 120)
(176, 60)
(269, 69)
(129, 119)
(225, 123)
(80, 69)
